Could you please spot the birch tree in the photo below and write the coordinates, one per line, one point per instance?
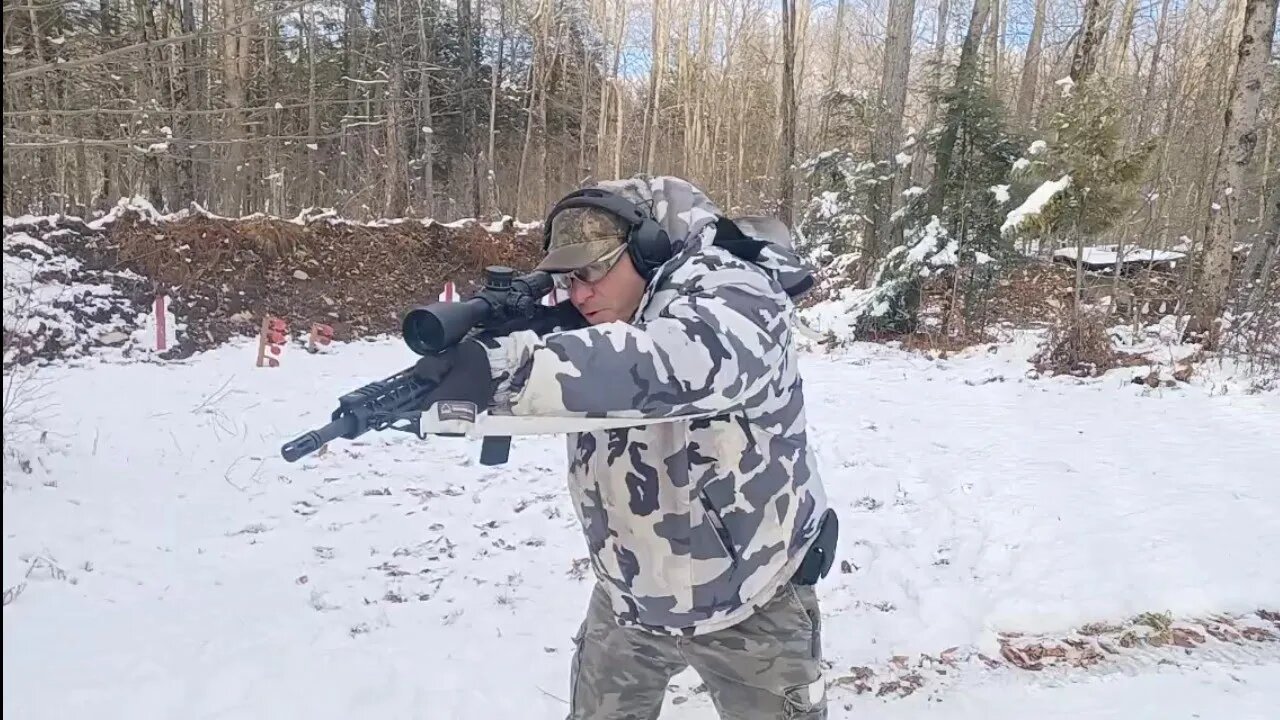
(1239, 140)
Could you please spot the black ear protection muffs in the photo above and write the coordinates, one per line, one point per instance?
(647, 241)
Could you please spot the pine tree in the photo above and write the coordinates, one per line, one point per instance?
(890, 304)
(1093, 181)
(984, 152)
(982, 148)
(835, 220)
(1086, 145)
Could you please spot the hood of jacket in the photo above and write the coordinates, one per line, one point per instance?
(693, 222)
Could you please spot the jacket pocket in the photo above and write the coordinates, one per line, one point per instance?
(713, 517)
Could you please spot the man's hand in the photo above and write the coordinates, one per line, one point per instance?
(461, 373)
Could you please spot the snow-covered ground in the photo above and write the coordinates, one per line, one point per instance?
(162, 561)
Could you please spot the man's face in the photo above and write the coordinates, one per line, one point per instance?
(588, 249)
(616, 296)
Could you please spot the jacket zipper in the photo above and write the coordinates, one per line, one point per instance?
(718, 524)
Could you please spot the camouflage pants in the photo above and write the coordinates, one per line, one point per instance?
(766, 667)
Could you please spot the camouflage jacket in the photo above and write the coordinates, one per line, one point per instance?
(698, 517)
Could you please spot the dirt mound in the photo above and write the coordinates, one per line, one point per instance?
(223, 275)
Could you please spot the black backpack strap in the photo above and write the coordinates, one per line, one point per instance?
(730, 237)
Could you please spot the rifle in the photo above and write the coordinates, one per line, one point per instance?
(507, 303)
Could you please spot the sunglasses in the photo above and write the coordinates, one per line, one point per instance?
(593, 272)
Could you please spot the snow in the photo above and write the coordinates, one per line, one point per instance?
(903, 159)
(138, 205)
(928, 242)
(1034, 203)
(828, 204)
(48, 298)
(498, 226)
(1106, 255)
(1037, 147)
(841, 314)
(913, 191)
(171, 564)
(1021, 164)
(947, 255)
(1001, 192)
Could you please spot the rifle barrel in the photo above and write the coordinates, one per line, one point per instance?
(309, 442)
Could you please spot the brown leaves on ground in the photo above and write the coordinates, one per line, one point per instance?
(1092, 644)
(1095, 641)
(1036, 655)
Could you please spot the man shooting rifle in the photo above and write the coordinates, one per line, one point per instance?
(706, 521)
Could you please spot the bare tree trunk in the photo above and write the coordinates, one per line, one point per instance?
(472, 150)
(495, 198)
(788, 150)
(47, 162)
(234, 47)
(1149, 97)
(966, 74)
(426, 38)
(185, 125)
(617, 89)
(149, 80)
(617, 134)
(838, 32)
(1031, 69)
(798, 67)
(888, 135)
(584, 170)
(602, 116)
(1265, 244)
(650, 135)
(353, 66)
(394, 177)
(544, 136)
(312, 193)
(1120, 50)
(683, 96)
(1239, 140)
(709, 18)
(1268, 177)
(935, 86)
(537, 86)
(1093, 30)
(993, 45)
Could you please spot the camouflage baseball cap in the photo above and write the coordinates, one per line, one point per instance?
(580, 237)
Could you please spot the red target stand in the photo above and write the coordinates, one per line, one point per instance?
(162, 304)
(320, 335)
(271, 339)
